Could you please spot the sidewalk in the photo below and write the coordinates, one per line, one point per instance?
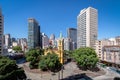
(108, 76)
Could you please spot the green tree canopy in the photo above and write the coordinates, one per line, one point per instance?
(17, 48)
(85, 57)
(34, 55)
(9, 70)
(50, 62)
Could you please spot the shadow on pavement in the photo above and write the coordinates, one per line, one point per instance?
(117, 78)
(78, 77)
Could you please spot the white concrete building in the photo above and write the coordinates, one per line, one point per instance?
(7, 40)
(87, 27)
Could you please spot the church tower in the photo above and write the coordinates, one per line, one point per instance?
(61, 48)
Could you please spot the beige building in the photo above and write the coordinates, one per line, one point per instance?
(111, 54)
(87, 27)
(1, 31)
(99, 44)
(106, 48)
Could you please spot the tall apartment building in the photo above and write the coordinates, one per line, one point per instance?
(34, 35)
(7, 40)
(87, 27)
(1, 31)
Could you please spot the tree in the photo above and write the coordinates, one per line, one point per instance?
(34, 56)
(9, 70)
(17, 48)
(50, 62)
(85, 57)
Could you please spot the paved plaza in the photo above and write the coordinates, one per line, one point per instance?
(70, 69)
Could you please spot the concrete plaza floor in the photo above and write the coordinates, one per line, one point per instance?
(70, 69)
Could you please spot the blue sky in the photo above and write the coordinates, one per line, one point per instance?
(58, 15)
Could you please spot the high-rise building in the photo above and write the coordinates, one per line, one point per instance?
(1, 31)
(67, 44)
(87, 25)
(7, 40)
(45, 41)
(34, 34)
(72, 35)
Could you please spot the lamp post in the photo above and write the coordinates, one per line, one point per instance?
(62, 72)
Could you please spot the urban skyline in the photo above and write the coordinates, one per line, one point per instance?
(56, 18)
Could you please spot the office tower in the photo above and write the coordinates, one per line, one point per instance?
(33, 33)
(87, 24)
(72, 35)
(1, 31)
(67, 44)
(7, 40)
(45, 41)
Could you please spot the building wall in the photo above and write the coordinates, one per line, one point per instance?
(67, 44)
(33, 33)
(108, 50)
(1, 31)
(72, 35)
(45, 41)
(7, 40)
(99, 44)
(87, 24)
(111, 54)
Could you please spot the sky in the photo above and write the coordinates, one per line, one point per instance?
(55, 16)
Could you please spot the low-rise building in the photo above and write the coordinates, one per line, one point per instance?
(111, 55)
(108, 50)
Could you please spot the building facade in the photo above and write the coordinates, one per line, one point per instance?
(7, 40)
(99, 44)
(111, 55)
(33, 34)
(1, 31)
(87, 24)
(72, 35)
(67, 44)
(45, 41)
(22, 42)
(108, 50)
